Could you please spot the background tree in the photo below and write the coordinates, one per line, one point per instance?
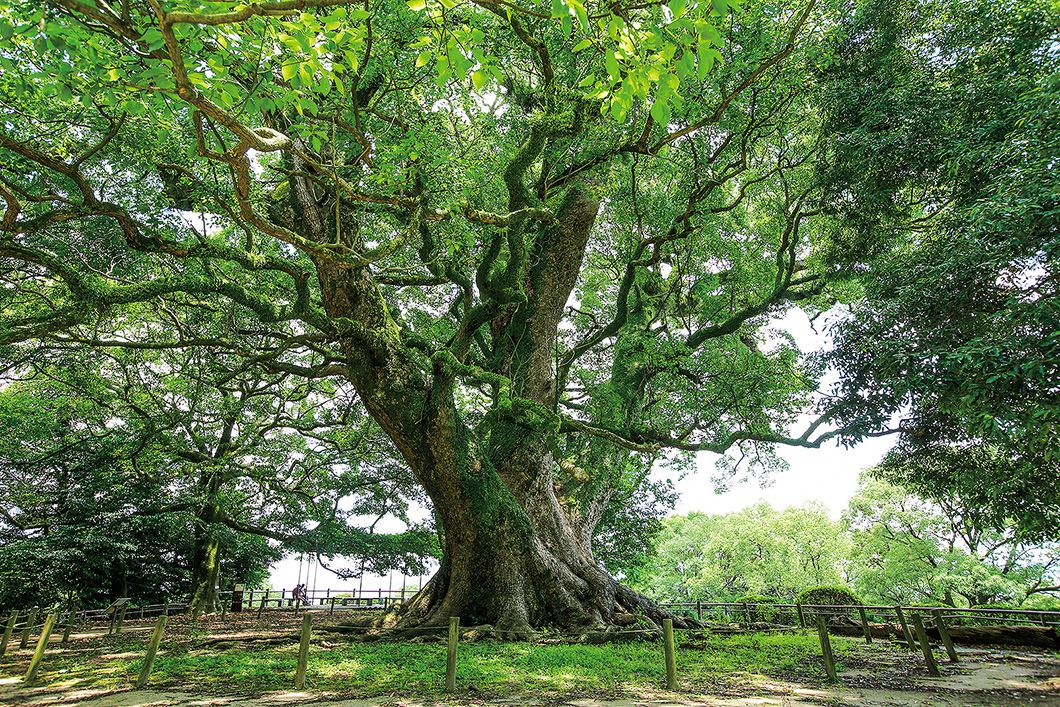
(197, 442)
(71, 524)
(908, 550)
(890, 547)
(756, 551)
(942, 149)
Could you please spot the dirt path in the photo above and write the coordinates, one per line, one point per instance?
(984, 677)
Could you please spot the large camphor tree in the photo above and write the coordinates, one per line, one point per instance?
(543, 241)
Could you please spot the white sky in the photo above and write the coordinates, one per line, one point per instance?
(828, 475)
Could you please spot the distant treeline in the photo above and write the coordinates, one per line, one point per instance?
(889, 547)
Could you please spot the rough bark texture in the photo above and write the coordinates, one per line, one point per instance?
(207, 566)
(514, 556)
(206, 560)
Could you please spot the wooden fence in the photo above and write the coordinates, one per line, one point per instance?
(913, 627)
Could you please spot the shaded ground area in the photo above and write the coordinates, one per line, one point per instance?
(247, 661)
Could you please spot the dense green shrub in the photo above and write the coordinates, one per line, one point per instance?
(829, 596)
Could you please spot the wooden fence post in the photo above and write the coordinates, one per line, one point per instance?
(802, 617)
(905, 628)
(303, 651)
(42, 643)
(121, 619)
(699, 609)
(450, 658)
(152, 649)
(8, 630)
(826, 648)
(925, 647)
(944, 634)
(30, 620)
(331, 611)
(669, 654)
(69, 627)
(865, 625)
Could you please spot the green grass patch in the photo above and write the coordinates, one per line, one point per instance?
(487, 667)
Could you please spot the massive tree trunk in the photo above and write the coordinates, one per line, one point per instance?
(515, 555)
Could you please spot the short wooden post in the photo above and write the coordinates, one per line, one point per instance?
(30, 620)
(165, 608)
(925, 647)
(944, 634)
(224, 611)
(669, 654)
(450, 658)
(121, 619)
(802, 616)
(42, 643)
(331, 610)
(303, 651)
(8, 630)
(699, 609)
(68, 628)
(152, 649)
(865, 625)
(826, 648)
(905, 628)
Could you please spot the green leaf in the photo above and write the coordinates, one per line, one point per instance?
(660, 111)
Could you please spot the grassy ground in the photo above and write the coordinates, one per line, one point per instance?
(190, 662)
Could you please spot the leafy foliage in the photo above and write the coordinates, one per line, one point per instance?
(942, 149)
(909, 550)
(754, 551)
(543, 244)
(128, 472)
(891, 547)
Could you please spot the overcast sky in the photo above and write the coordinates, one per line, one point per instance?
(828, 475)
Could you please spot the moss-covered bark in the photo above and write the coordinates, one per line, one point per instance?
(514, 556)
(206, 557)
